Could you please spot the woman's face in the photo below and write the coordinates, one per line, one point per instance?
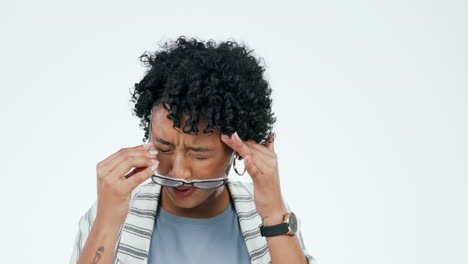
(183, 156)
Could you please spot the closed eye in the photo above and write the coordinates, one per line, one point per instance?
(162, 150)
(199, 158)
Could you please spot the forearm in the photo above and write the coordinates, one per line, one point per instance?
(284, 248)
(100, 244)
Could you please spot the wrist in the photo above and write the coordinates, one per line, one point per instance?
(106, 227)
(274, 218)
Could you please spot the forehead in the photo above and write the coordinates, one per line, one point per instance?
(163, 127)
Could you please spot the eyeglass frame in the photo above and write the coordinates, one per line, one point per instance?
(192, 182)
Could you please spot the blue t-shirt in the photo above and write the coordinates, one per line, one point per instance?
(178, 239)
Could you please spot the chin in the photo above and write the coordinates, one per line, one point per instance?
(185, 202)
(195, 199)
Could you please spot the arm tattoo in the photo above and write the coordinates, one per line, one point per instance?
(98, 255)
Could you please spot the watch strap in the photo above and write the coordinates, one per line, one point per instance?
(274, 230)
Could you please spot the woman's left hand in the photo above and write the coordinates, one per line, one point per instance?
(261, 162)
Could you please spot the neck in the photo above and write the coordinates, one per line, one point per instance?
(214, 205)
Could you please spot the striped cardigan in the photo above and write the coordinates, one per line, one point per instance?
(134, 239)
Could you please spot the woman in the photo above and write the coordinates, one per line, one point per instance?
(203, 107)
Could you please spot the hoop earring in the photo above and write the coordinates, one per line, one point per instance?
(235, 169)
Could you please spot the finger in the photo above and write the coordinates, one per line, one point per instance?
(270, 143)
(264, 157)
(236, 143)
(134, 171)
(112, 157)
(139, 177)
(125, 153)
(251, 167)
(264, 161)
(125, 162)
(257, 147)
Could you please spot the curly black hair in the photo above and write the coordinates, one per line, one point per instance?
(221, 83)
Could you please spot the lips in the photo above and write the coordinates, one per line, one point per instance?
(183, 192)
(183, 189)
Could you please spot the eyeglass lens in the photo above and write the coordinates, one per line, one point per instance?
(175, 183)
(208, 185)
(166, 182)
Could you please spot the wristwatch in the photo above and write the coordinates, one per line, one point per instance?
(289, 227)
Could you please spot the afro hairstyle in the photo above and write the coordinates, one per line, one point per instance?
(223, 84)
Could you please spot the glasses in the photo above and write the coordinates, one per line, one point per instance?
(199, 184)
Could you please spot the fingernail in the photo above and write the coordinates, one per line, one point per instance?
(153, 168)
(155, 161)
(236, 137)
(153, 152)
(225, 137)
(147, 145)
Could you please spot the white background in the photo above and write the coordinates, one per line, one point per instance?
(371, 99)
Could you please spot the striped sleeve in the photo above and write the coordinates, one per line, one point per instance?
(84, 228)
(309, 257)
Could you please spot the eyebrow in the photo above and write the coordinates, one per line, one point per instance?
(162, 141)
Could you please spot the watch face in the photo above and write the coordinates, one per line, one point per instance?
(292, 222)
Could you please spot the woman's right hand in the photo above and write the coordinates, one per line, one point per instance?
(114, 186)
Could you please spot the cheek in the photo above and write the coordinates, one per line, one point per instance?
(208, 171)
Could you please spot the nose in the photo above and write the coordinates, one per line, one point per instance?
(179, 168)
